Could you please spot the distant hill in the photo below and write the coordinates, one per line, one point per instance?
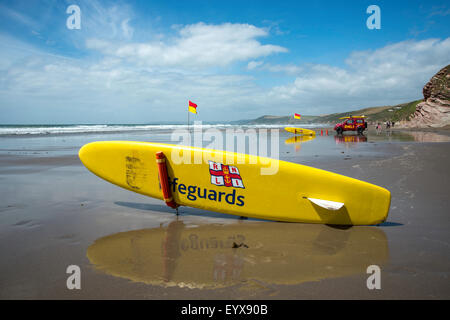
(395, 113)
(400, 112)
(268, 119)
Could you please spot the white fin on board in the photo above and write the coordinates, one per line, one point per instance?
(330, 205)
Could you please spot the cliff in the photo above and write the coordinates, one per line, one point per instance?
(434, 111)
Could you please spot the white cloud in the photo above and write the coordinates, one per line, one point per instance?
(195, 46)
(393, 74)
(254, 64)
(127, 30)
(442, 11)
(289, 69)
(36, 85)
(108, 23)
(40, 88)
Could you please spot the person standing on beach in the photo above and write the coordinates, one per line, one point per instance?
(378, 127)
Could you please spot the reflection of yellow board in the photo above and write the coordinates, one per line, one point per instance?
(300, 131)
(199, 178)
(299, 139)
(204, 257)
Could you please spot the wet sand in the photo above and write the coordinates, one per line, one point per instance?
(54, 213)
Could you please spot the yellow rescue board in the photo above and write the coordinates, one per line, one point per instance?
(249, 186)
(301, 131)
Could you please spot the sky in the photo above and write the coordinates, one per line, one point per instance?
(142, 61)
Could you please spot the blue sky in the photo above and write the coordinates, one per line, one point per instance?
(141, 61)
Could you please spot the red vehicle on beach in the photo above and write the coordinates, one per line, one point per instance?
(351, 123)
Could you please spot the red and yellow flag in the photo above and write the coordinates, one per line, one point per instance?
(192, 107)
(297, 116)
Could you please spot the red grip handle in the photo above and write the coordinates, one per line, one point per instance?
(164, 180)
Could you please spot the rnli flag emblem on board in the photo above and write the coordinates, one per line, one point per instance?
(223, 175)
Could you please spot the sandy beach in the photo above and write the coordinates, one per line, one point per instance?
(55, 213)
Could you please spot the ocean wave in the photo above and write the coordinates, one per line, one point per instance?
(109, 128)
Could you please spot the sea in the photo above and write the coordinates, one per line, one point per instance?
(268, 140)
(55, 129)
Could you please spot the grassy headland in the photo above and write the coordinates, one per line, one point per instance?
(374, 114)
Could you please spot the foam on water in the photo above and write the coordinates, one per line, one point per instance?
(105, 128)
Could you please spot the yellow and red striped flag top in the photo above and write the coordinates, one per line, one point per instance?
(192, 107)
(297, 116)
